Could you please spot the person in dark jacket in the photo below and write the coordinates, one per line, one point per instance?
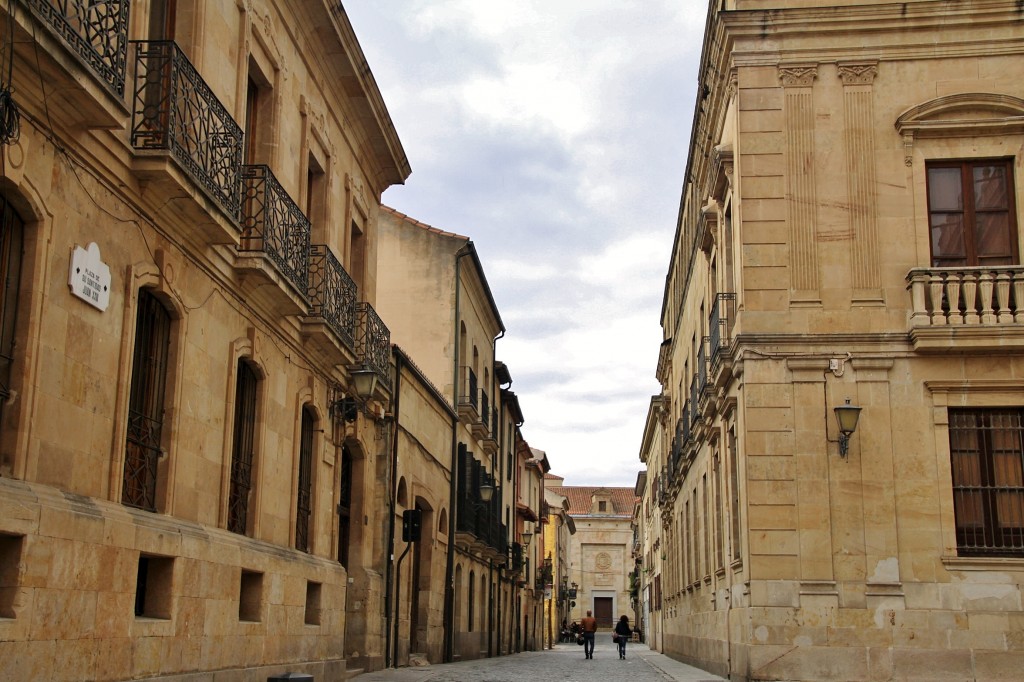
(622, 633)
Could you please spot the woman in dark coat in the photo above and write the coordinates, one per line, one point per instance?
(623, 632)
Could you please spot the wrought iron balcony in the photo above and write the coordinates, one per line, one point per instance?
(332, 293)
(97, 32)
(176, 111)
(273, 225)
(967, 308)
(720, 326)
(481, 427)
(694, 398)
(373, 342)
(469, 396)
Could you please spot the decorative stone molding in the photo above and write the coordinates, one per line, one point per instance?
(708, 226)
(962, 115)
(357, 192)
(721, 171)
(861, 73)
(798, 75)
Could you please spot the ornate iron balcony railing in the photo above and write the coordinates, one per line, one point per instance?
(95, 31)
(332, 293)
(176, 111)
(272, 224)
(485, 410)
(373, 341)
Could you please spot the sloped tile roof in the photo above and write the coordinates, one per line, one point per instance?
(580, 499)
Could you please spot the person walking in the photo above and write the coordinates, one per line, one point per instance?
(589, 626)
(622, 634)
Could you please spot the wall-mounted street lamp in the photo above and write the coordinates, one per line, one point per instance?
(364, 383)
(847, 416)
(486, 491)
(526, 535)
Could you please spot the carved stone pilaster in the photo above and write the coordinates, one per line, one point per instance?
(802, 203)
(858, 105)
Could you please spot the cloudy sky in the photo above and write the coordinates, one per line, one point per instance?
(553, 133)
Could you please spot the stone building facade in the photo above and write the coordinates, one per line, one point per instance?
(558, 529)
(468, 591)
(600, 551)
(193, 373)
(848, 238)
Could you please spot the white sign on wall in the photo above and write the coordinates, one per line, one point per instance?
(89, 277)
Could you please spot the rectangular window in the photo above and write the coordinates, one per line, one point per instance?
(734, 493)
(154, 587)
(250, 597)
(719, 522)
(313, 597)
(987, 461)
(242, 450)
(971, 213)
(11, 548)
(146, 403)
(304, 498)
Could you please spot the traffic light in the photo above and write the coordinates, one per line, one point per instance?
(411, 519)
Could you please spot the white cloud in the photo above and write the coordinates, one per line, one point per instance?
(554, 135)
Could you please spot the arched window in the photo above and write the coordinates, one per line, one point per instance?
(470, 602)
(457, 588)
(304, 498)
(12, 234)
(146, 403)
(242, 453)
(345, 506)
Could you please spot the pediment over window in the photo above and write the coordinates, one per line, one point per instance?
(969, 113)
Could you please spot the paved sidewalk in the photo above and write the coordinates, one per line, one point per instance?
(563, 663)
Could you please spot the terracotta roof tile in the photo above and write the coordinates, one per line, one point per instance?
(579, 497)
(417, 223)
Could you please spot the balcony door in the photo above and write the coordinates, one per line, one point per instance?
(162, 16)
(971, 213)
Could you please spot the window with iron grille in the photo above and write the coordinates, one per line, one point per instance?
(734, 495)
(12, 232)
(344, 506)
(971, 213)
(146, 403)
(304, 499)
(242, 454)
(986, 449)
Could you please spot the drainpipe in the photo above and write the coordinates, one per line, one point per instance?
(389, 576)
(449, 568)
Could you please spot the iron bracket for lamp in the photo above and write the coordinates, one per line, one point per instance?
(346, 408)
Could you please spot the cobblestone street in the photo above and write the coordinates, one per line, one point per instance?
(563, 663)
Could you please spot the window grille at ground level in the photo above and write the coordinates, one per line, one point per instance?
(987, 458)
